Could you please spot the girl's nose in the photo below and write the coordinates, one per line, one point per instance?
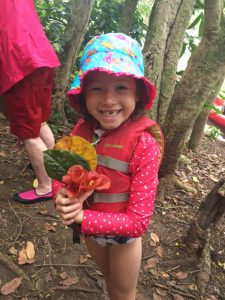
(109, 97)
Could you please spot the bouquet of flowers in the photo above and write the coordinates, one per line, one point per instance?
(73, 162)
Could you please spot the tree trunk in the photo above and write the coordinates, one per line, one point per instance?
(126, 18)
(164, 40)
(195, 86)
(198, 238)
(74, 33)
(199, 125)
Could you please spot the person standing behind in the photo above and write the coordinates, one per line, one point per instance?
(27, 62)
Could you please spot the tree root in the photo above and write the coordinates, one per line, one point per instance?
(16, 270)
(74, 289)
(198, 238)
(185, 187)
(205, 268)
(174, 291)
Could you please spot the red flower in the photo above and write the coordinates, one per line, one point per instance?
(79, 180)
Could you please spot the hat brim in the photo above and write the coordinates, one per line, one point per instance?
(124, 68)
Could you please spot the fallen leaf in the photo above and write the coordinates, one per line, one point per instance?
(2, 154)
(22, 259)
(171, 283)
(30, 251)
(156, 297)
(164, 274)
(13, 251)
(177, 297)
(35, 183)
(180, 275)
(70, 281)
(49, 227)
(154, 272)
(154, 237)
(44, 212)
(26, 255)
(11, 286)
(63, 275)
(151, 263)
(213, 178)
(161, 292)
(160, 251)
(83, 259)
(195, 179)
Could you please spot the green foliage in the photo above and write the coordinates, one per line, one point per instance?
(194, 31)
(54, 15)
(213, 132)
(222, 95)
(199, 4)
(57, 162)
(212, 107)
(104, 10)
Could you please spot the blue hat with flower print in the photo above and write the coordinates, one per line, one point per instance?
(114, 53)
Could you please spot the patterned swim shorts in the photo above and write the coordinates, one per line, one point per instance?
(105, 241)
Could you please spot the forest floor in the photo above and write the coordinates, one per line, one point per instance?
(63, 270)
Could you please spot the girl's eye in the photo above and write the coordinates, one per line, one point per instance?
(121, 87)
(96, 89)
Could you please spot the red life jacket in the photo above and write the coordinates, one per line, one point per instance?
(114, 151)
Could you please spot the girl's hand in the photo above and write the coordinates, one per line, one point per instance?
(70, 209)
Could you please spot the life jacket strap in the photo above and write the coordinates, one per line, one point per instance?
(110, 198)
(113, 163)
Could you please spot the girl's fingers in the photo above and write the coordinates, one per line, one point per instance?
(84, 196)
(68, 222)
(68, 207)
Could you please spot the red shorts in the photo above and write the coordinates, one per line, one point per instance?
(28, 103)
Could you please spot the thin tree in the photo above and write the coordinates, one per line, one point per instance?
(163, 45)
(80, 12)
(194, 88)
(126, 18)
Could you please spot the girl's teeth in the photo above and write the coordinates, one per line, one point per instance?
(110, 113)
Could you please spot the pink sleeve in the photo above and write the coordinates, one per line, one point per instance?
(144, 180)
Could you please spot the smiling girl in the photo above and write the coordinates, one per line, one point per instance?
(112, 94)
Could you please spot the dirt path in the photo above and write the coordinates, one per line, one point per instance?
(63, 270)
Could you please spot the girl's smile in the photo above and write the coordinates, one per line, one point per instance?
(110, 99)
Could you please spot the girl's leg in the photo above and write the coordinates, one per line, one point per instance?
(120, 265)
(125, 262)
(101, 257)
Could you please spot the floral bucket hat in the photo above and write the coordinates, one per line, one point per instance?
(114, 53)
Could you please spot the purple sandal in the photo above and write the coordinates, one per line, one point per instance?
(30, 197)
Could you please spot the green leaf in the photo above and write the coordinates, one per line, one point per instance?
(212, 107)
(201, 27)
(199, 4)
(195, 22)
(57, 162)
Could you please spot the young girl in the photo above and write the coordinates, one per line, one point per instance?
(112, 93)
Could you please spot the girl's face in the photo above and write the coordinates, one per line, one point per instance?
(110, 99)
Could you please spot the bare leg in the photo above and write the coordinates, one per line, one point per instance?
(47, 136)
(35, 148)
(120, 265)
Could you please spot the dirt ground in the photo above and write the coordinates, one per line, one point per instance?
(63, 270)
